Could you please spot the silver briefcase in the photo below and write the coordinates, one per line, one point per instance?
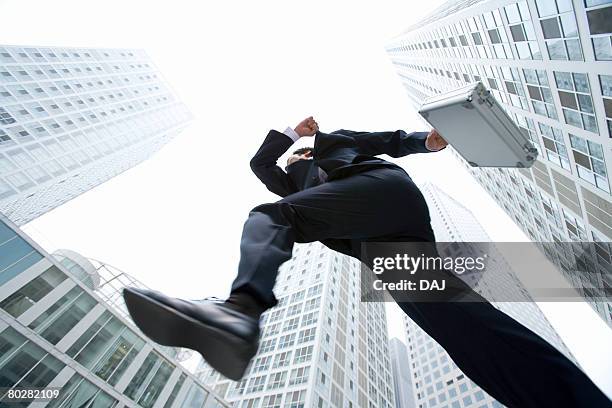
(474, 123)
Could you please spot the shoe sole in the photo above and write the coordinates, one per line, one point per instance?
(228, 354)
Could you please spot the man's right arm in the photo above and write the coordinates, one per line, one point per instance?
(264, 164)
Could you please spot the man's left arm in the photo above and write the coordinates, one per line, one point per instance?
(398, 143)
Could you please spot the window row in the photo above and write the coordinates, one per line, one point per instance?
(28, 54)
(506, 83)
(489, 35)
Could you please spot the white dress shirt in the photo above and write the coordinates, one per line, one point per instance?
(292, 134)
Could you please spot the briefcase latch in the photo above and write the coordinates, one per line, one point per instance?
(484, 97)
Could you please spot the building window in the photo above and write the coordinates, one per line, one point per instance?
(475, 29)
(298, 375)
(560, 30)
(4, 137)
(539, 92)
(32, 292)
(576, 101)
(292, 324)
(277, 380)
(272, 401)
(303, 354)
(282, 359)
(605, 82)
(267, 345)
(590, 164)
(496, 32)
(528, 127)
(551, 211)
(137, 383)
(514, 87)
(554, 145)
(307, 335)
(55, 322)
(156, 384)
(295, 399)
(24, 363)
(599, 16)
(256, 384)
(574, 227)
(522, 32)
(261, 364)
(603, 249)
(5, 117)
(310, 318)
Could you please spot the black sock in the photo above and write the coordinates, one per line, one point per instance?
(244, 302)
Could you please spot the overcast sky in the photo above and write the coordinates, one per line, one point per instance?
(243, 67)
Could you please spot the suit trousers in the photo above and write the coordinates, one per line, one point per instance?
(510, 362)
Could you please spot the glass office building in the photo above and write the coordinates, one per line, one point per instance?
(549, 62)
(71, 119)
(437, 382)
(63, 327)
(320, 346)
(108, 282)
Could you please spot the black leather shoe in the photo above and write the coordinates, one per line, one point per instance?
(226, 338)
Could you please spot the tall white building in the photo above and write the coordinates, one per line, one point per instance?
(402, 374)
(549, 62)
(437, 381)
(71, 119)
(63, 328)
(320, 346)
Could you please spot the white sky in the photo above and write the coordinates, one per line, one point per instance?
(243, 67)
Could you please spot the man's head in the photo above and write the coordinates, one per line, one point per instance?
(304, 153)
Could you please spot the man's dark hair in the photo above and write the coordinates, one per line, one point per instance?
(302, 150)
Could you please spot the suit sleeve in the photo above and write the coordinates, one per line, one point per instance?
(264, 165)
(394, 144)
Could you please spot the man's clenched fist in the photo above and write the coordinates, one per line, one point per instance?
(434, 141)
(307, 127)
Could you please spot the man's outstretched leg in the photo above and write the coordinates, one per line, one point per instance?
(226, 333)
(506, 359)
(510, 362)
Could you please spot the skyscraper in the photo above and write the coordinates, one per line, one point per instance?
(549, 63)
(62, 327)
(71, 119)
(320, 346)
(437, 381)
(402, 377)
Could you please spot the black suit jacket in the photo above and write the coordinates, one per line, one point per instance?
(339, 154)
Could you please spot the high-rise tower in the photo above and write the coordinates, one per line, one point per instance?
(437, 381)
(320, 346)
(549, 62)
(402, 377)
(70, 119)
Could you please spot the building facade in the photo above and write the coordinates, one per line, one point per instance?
(437, 381)
(402, 375)
(320, 346)
(59, 331)
(549, 63)
(70, 119)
